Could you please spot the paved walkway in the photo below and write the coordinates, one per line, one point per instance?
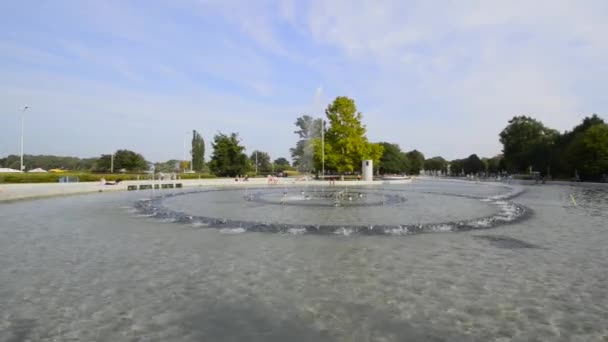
(10, 192)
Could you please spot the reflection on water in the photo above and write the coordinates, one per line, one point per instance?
(84, 268)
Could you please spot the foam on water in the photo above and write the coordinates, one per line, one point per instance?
(296, 231)
(238, 230)
(441, 228)
(198, 224)
(401, 230)
(345, 231)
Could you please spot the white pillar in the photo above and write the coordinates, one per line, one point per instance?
(367, 170)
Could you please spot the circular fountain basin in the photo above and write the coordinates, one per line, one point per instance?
(367, 210)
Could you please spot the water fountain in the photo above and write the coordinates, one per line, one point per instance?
(365, 210)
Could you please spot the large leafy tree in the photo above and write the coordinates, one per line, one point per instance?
(588, 152)
(281, 161)
(457, 167)
(415, 161)
(473, 165)
(493, 165)
(123, 159)
(228, 159)
(565, 156)
(527, 143)
(345, 142)
(302, 154)
(393, 160)
(263, 160)
(198, 151)
(281, 164)
(436, 164)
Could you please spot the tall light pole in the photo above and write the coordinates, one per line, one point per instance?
(323, 148)
(22, 124)
(185, 140)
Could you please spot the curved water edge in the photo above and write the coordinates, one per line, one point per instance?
(508, 212)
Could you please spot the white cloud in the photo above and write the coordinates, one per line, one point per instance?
(442, 77)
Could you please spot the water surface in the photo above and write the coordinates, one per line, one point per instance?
(90, 268)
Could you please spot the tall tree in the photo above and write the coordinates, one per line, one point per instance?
(123, 159)
(527, 143)
(228, 159)
(588, 152)
(492, 164)
(198, 151)
(281, 164)
(281, 161)
(302, 154)
(345, 142)
(457, 167)
(415, 161)
(473, 165)
(263, 160)
(436, 164)
(393, 160)
(563, 163)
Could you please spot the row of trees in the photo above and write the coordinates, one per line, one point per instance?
(528, 145)
(229, 158)
(48, 162)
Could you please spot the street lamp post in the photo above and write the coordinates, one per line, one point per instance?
(185, 141)
(22, 125)
(323, 148)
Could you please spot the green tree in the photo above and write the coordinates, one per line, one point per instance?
(415, 161)
(263, 160)
(308, 130)
(473, 165)
(198, 151)
(281, 164)
(492, 164)
(563, 163)
(393, 160)
(228, 159)
(527, 143)
(457, 167)
(123, 160)
(346, 145)
(436, 164)
(588, 152)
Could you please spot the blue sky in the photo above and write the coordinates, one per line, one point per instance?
(442, 77)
